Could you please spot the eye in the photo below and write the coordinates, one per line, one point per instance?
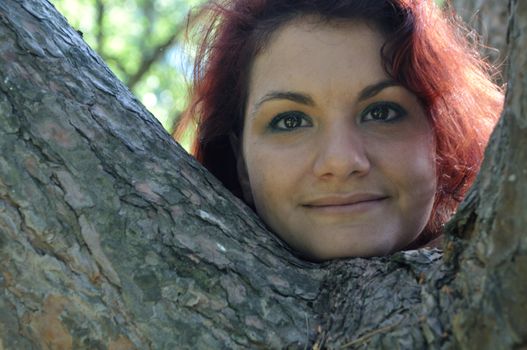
(383, 112)
(288, 121)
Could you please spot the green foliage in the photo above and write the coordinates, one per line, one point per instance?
(143, 43)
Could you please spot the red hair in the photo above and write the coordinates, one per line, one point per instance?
(427, 50)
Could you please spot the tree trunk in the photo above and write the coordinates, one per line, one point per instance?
(111, 237)
(489, 18)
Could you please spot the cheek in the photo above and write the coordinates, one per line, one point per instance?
(263, 171)
(417, 170)
(275, 176)
(426, 160)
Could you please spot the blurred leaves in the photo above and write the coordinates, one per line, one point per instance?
(143, 42)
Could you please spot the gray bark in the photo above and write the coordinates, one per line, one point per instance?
(489, 18)
(111, 237)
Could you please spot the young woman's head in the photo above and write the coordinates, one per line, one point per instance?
(352, 127)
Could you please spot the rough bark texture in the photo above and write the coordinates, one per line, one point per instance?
(111, 237)
(492, 274)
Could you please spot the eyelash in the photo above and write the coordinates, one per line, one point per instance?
(282, 118)
(388, 106)
(305, 121)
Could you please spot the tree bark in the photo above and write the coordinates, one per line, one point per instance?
(111, 237)
(489, 18)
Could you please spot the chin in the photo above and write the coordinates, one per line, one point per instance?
(321, 255)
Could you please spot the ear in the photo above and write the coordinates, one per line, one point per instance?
(241, 169)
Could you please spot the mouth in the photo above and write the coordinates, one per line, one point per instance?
(349, 204)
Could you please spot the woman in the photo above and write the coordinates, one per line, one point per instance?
(353, 128)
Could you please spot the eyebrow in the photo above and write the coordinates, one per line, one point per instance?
(297, 97)
(301, 98)
(372, 90)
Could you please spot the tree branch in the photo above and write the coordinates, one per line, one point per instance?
(158, 51)
(99, 25)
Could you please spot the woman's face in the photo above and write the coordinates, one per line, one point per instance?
(339, 158)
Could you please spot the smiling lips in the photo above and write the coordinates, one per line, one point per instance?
(338, 204)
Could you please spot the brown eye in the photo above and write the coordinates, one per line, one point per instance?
(289, 121)
(383, 112)
(380, 113)
(292, 121)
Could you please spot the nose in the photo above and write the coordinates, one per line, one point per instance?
(341, 153)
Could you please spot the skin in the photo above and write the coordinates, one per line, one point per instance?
(337, 158)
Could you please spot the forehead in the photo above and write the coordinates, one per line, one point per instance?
(311, 54)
